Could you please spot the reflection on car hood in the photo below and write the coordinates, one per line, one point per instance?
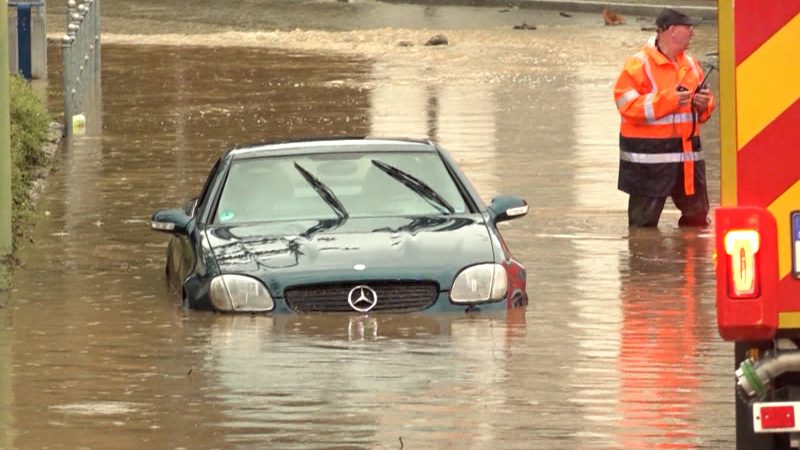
(289, 253)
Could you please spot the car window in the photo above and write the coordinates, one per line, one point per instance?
(201, 199)
(275, 188)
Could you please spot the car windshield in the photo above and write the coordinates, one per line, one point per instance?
(336, 186)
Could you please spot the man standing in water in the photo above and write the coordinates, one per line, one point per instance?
(662, 102)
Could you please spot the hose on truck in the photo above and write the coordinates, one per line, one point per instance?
(755, 379)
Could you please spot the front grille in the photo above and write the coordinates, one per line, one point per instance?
(392, 296)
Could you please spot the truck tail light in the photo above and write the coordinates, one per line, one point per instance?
(746, 244)
(742, 247)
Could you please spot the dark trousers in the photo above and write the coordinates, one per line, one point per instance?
(645, 211)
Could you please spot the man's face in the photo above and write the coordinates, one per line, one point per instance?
(682, 35)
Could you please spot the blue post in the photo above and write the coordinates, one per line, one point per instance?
(24, 39)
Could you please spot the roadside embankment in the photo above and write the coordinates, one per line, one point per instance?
(34, 140)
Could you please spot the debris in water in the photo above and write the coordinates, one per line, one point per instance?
(612, 18)
(524, 26)
(439, 39)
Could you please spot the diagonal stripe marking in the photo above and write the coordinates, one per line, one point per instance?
(769, 164)
(759, 22)
(766, 82)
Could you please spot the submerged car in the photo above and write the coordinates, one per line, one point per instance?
(356, 225)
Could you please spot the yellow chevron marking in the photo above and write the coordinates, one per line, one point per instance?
(781, 209)
(789, 320)
(767, 82)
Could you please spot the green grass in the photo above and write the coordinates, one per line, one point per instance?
(30, 122)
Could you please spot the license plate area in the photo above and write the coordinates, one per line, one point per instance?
(796, 244)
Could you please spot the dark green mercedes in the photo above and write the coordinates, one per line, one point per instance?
(352, 225)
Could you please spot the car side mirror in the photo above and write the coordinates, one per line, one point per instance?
(174, 221)
(507, 207)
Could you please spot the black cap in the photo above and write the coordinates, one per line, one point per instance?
(669, 17)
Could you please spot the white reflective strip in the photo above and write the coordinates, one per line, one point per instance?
(671, 118)
(660, 158)
(694, 65)
(642, 57)
(626, 97)
(649, 112)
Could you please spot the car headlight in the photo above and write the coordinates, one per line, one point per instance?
(479, 284)
(240, 293)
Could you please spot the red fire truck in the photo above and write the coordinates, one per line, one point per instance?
(758, 223)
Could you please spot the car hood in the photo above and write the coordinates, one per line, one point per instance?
(301, 252)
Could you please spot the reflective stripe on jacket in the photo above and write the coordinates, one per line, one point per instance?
(647, 99)
(653, 167)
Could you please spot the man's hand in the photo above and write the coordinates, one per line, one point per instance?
(684, 97)
(701, 99)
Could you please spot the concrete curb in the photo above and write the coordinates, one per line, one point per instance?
(638, 8)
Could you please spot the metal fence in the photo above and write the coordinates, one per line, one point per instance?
(81, 60)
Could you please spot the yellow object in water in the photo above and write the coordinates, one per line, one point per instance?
(78, 125)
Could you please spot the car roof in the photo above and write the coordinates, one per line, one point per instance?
(331, 145)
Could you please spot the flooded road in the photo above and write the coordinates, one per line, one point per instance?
(617, 350)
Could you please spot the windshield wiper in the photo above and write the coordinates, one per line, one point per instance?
(415, 184)
(324, 191)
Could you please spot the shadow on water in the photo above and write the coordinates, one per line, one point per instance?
(617, 349)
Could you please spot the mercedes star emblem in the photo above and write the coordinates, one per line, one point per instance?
(362, 298)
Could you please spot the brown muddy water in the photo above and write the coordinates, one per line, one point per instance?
(617, 350)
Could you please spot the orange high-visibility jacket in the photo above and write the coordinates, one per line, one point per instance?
(656, 134)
